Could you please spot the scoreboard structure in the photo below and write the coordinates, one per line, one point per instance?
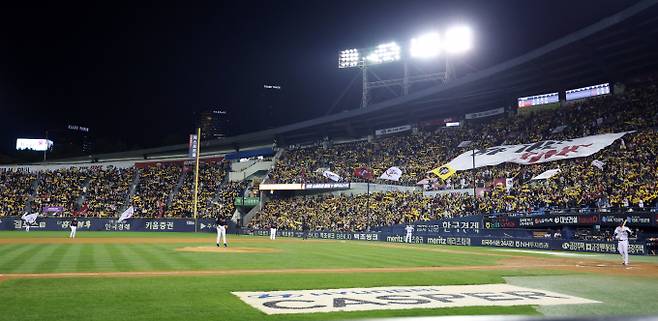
(589, 91)
(537, 100)
(534, 103)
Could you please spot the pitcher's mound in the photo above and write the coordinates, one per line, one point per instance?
(229, 249)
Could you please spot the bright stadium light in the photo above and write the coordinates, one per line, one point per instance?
(426, 46)
(349, 58)
(383, 53)
(458, 40)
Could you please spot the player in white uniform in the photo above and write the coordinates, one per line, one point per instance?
(409, 229)
(621, 234)
(221, 231)
(74, 228)
(273, 231)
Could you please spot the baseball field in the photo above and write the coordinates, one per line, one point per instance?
(176, 276)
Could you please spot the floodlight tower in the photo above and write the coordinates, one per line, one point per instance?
(455, 41)
(351, 58)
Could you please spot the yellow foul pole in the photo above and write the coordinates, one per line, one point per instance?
(196, 176)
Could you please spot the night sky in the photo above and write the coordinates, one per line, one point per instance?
(135, 72)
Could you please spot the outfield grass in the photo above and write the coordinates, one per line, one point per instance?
(209, 298)
(72, 257)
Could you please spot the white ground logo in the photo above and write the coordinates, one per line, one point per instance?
(402, 297)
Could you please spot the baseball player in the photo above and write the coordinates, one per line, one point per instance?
(74, 227)
(621, 234)
(273, 231)
(409, 229)
(221, 230)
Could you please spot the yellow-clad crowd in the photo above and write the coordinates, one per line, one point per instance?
(226, 199)
(60, 188)
(417, 153)
(107, 191)
(15, 188)
(210, 177)
(627, 181)
(155, 185)
(104, 192)
(624, 178)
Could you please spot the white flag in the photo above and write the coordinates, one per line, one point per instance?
(464, 143)
(126, 214)
(392, 174)
(558, 129)
(30, 218)
(332, 176)
(321, 170)
(547, 174)
(509, 183)
(598, 164)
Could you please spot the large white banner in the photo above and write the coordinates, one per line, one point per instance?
(392, 174)
(535, 153)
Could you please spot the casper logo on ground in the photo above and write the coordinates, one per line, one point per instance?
(402, 297)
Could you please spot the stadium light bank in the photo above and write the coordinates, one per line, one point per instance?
(453, 41)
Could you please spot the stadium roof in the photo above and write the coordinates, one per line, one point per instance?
(614, 49)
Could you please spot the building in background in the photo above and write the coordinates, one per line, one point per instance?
(271, 98)
(72, 140)
(214, 124)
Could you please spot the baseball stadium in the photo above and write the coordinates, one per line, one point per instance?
(523, 190)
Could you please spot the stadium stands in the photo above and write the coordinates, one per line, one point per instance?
(226, 197)
(108, 191)
(99, 192)
(210, 177)
(414, 154)
(626, 181)
(61, 188)
(15, 188)
(155, 185)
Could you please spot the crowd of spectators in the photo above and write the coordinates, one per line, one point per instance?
(416, 154)
(15, 189)
(155, 185)
(61, 188)
(107, 191)
(226, 199)
(626, 182)
(104, 192)
(210, 177)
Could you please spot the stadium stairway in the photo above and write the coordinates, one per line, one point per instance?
(85, 189)
(131, 192)
(251, 214)
(33, 192)
(245, 173)
(176, 189)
